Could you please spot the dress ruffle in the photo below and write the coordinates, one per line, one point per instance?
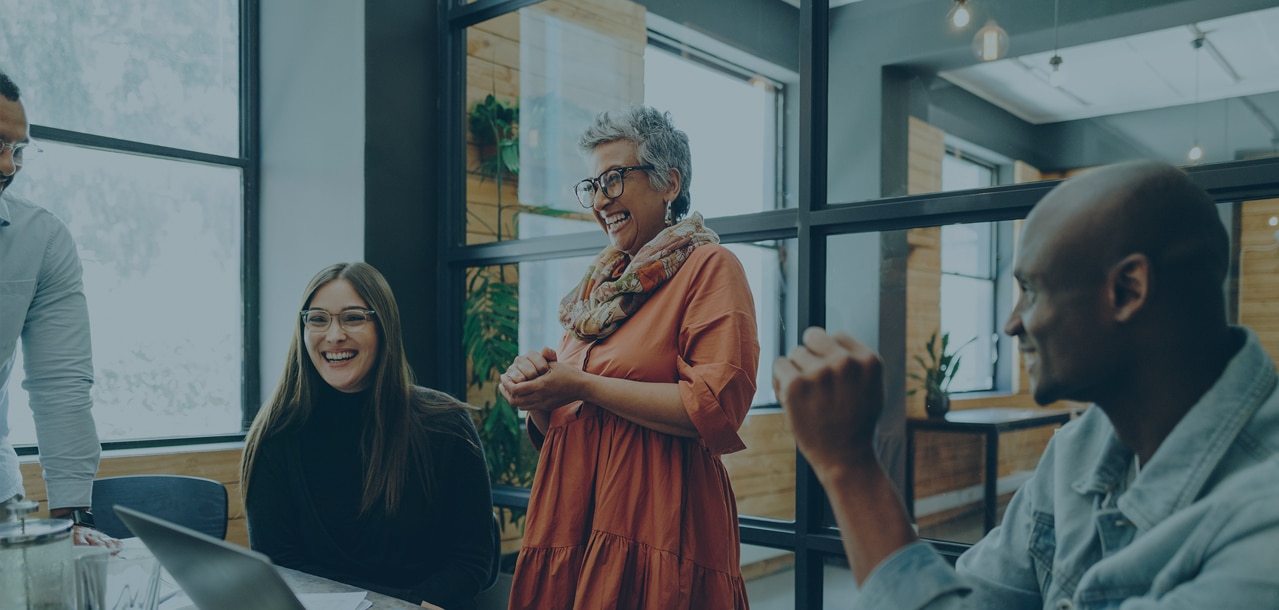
(616, 572)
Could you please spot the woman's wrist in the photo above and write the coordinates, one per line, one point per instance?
(584, 386)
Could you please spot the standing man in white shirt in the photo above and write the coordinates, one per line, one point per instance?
(42, 301)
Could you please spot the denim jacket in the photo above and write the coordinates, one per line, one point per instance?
(1198, 527)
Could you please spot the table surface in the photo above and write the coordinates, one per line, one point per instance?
(301, 582)
(993, 416)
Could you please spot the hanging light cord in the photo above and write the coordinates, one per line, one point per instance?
(1055, 45)
(1198, 44)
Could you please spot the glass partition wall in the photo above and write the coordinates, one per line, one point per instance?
(870, 171)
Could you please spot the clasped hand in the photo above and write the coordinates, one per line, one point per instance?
(831, 387)
(537, 381)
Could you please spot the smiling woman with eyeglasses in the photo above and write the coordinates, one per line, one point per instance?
(344, 470)
(631, 506)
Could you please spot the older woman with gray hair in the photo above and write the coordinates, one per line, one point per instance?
(631, 506)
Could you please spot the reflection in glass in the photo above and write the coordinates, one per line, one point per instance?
(771, 285)
(161, 255)
(1187, 87)
(969, 315)
(770, 580)
(949, 280)
(907, 283)
(732, 122)
(763, 475)
(164, 73)
(537, 77)
(770, 577)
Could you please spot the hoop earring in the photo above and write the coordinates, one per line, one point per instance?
(670, 214)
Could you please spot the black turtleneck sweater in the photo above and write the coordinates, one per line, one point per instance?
(303, 509)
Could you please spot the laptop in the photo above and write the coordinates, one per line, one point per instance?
(215, 574)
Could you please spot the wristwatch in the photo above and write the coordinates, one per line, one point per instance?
(81, 517)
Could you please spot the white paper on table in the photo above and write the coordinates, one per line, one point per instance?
(334, 601)
(311, 601)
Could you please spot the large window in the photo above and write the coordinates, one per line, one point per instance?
(868, 224)
(733, 119)
(969, 259)
(139, 107)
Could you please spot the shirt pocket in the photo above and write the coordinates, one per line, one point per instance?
(15, 298)
(1043, 547)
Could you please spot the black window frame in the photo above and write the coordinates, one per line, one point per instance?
(248, 161)
(810, 224)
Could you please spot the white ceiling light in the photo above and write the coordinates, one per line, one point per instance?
(959, 16)
(991, 42)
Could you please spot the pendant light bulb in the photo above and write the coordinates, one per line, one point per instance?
(959, 16)
(991, 42)
(1196, 153)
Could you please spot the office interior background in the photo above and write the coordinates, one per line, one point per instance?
(868, 161)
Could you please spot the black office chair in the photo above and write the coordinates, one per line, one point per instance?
(200, 504)
(496, 564)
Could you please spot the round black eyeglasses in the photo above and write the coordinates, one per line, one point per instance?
(612, 183)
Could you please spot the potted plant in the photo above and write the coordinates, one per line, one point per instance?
(938, 371)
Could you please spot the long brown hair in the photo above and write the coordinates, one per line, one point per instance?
(397, 437)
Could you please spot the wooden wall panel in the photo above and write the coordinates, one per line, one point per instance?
(221, 465)
(763, 475)
(1259, 272)
(925, 151)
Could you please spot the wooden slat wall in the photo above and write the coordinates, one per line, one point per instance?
(926, 149)
(221, 465)
(1259, 272)
(763, 475)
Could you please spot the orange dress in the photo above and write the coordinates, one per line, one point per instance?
(622, 516)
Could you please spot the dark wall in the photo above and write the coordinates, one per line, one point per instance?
(400, 211)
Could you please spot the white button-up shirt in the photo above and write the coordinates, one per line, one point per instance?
(42, 301)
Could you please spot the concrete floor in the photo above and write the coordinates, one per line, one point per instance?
(772, 592)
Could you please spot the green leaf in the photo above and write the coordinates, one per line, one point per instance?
(543, 210)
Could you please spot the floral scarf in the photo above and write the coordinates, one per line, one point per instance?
(615, 285)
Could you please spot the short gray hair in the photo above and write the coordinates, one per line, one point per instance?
(657, 143)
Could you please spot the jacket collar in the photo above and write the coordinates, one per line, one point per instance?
(4, 210)
(1186, 459)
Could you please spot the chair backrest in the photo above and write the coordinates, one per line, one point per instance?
(496, 564)
(200, 504)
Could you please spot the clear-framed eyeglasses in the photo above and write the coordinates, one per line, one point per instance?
(351, 320)
(21, 151)
(612, 183)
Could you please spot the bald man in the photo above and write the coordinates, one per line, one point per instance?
(1166, 495)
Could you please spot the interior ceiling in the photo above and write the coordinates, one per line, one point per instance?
(1137, 73)
(833, 3)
